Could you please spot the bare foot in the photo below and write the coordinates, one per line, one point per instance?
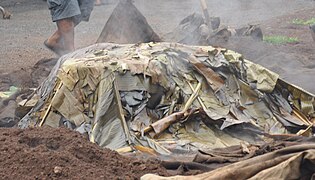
(57, 49)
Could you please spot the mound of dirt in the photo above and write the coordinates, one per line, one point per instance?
(47, 153)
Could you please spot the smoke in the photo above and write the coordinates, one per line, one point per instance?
(164, 15)
(232, 12)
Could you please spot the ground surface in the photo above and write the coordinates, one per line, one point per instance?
(48, 153)
(22, 37)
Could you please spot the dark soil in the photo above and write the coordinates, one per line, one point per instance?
(47, 153)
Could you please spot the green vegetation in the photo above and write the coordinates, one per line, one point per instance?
(304, 22)
(280, 39)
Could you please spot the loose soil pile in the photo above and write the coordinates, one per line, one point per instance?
(47, 153)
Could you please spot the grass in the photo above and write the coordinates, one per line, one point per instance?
(280, 39)
(304, 22)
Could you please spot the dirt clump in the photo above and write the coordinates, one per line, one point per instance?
(49, 153)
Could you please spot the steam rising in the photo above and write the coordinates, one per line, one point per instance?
(164, 15)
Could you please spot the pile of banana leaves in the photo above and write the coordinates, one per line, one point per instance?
(167, 98)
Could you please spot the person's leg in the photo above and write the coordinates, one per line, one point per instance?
(55, 40)
(63, 13)
(66, 31)
(62, 40)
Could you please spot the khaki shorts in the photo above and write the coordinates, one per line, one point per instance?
(79, 10)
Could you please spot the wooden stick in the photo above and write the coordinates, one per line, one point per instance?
(198, 98)
(49, 107)
(301, 116)
(124, 150)
(192, 97)
(206, 13)
(186, 107)
(121, 112)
